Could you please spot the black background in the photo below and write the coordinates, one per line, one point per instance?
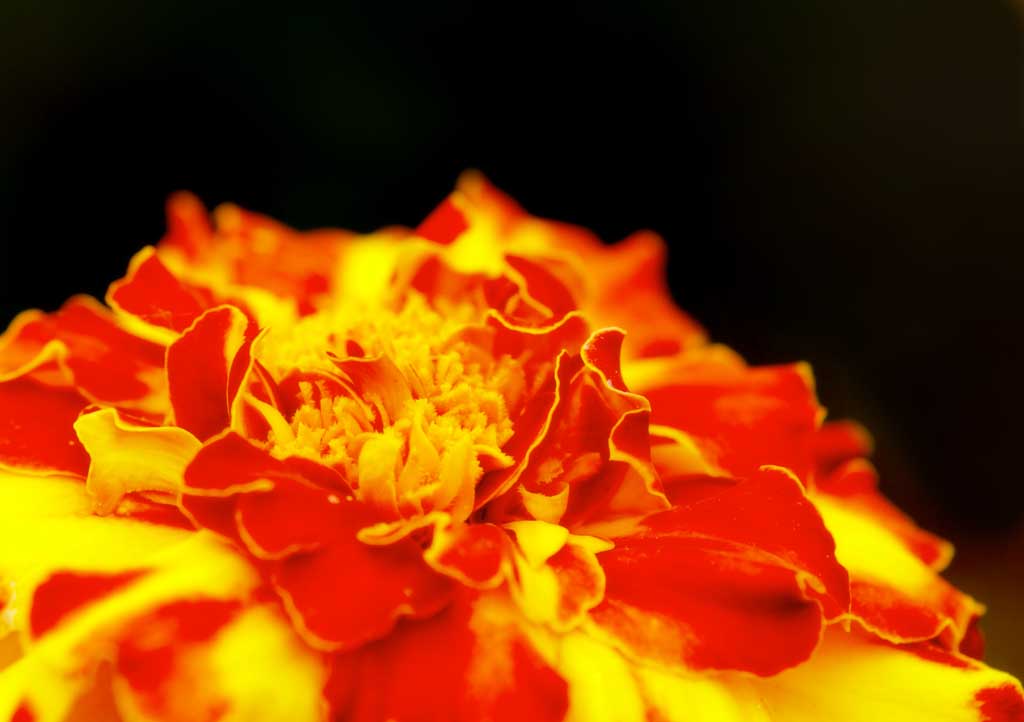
(840, 182)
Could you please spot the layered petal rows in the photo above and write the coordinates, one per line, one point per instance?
(484, 469)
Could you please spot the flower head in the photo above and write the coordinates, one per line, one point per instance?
(480, 470)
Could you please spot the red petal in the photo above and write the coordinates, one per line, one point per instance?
(294, 517)
(36, 427)
(188, 225)
(198, 365)
(444, 224)
(467, 664)
(152, 293)
(593, 440)
(740, 580)
(840, 441)
(230, 465)
(475, 554)
(148, 658)
(743, 418)
(349, 593)
(64, 592)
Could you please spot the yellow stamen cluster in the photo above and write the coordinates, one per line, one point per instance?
(418, 435)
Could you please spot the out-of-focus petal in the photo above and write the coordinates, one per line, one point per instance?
(36, 427)
(741, 579)
(209, 660)
(895, 592)
(852, 678)
(474, 661)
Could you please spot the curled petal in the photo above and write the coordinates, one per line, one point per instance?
(592, 439)
(741, 579)
(103, 360)
(198, 369)
(473, 661)
(127, 457)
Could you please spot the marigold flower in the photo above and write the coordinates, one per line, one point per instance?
(480, 470)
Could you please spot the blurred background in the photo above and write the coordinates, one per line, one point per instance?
(841, 182)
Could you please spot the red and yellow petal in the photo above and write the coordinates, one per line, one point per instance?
(473, 661)
(895, 593)
(126, 457)
(743, 579)
(161, 303)
(589, 446)
(198, 370)
(740, 417)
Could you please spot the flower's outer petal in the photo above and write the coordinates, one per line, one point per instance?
(854, 485)
(207, 660)
(474, 661)
(741, 417)
(380, 584)
(152, 294)
(71, 577)
(742, 579)
(852, 678)
(188, 225)
(895, 593)
(198, 369)
(838, 442)
(622, 285)
(127, 457)
(36, 426)
(104, 361)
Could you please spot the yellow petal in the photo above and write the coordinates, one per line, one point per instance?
(128, 457)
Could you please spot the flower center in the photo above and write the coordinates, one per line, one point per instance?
(410, 405)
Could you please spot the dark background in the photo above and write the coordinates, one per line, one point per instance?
(840, 182)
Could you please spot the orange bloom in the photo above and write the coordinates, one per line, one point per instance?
(480, 470)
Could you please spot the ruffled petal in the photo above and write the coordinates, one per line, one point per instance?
(474, 661)
(103, 360)
(126, 457)
(198, 369)
(591, 446)
(301, 523)
(741, 579)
